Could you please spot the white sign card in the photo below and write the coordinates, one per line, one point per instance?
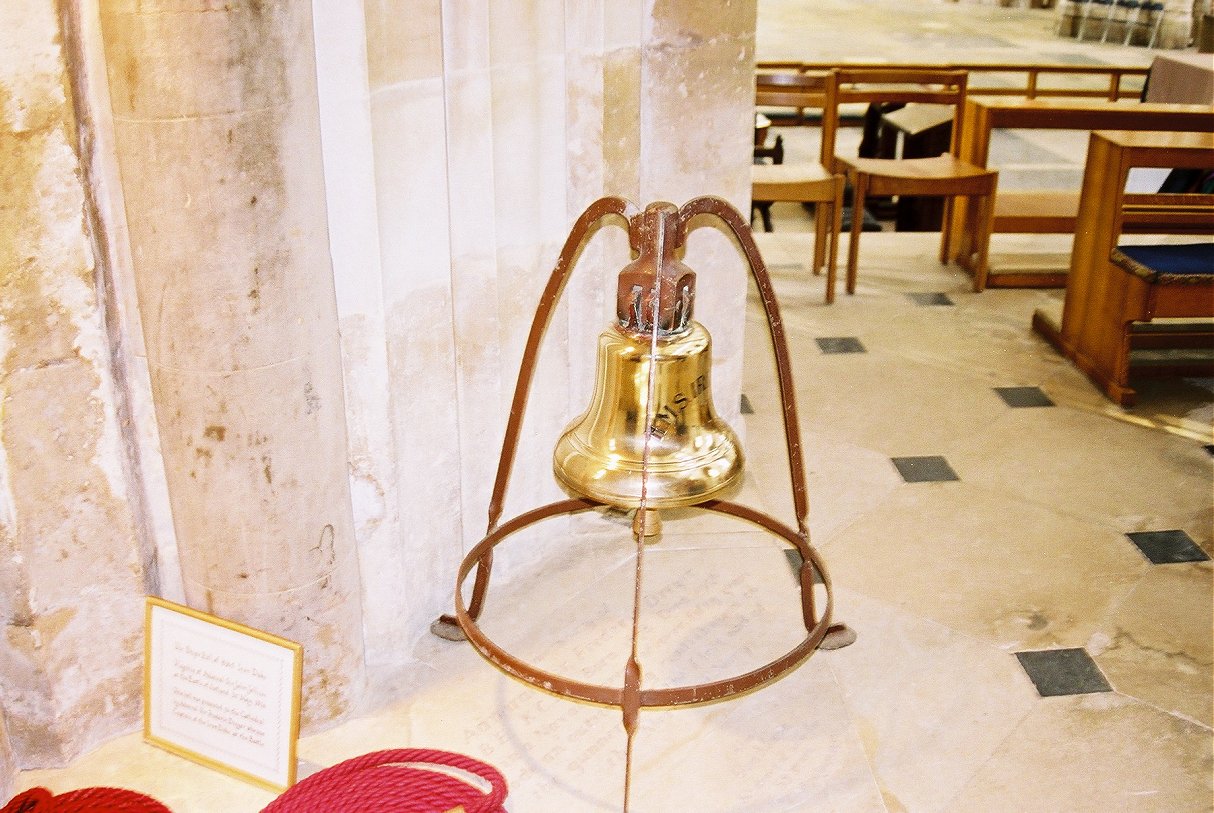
(221, 694)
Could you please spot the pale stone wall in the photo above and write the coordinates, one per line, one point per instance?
(217, 139)
(72, 575)
(341, 56)
(8, 766)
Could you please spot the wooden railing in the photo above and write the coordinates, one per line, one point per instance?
(1031, 81)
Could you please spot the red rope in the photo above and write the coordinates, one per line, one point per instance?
(408, 780)
(396, 781)
(402, 780)
(85, 800)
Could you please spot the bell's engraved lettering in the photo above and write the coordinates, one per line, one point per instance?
(671, 415)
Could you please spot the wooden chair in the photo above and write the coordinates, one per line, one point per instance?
(806, 183)
(799, 183)
(945, 176)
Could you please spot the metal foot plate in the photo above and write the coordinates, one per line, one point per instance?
(838, 636)
(448, 629)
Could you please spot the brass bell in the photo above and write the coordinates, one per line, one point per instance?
(693, 455)
(686, 454)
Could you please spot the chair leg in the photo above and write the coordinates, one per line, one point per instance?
(1131, 24)
(956, 225)
(946, 229)
(836, 232)
(820, 236)
(859, 191)
(764, 208)
(1108, 22)
(986, 225)
(963, 252)
(1156, 22)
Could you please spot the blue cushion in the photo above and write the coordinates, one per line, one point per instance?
(1189, 258)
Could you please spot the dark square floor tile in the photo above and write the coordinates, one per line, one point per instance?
(839, 344)
(794, 561)
(930, 469)
(747, 409)
(930, 299)
(1058, 672)
(1167, 547)
(1024, 397)
(1210, 448)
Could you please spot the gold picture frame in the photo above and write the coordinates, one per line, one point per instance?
(221, 694)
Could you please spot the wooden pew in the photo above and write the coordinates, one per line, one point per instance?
(1054, 212)
(1106, 297)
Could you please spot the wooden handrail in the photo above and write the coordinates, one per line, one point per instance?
(1031, 87)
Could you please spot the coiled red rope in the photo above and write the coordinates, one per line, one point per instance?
(396, 781)
(405, 780)
(85, 800)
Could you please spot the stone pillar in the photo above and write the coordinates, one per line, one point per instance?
(72, 575)
(218, 142)
(697, 138)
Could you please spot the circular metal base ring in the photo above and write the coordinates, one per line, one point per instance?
(816, 628)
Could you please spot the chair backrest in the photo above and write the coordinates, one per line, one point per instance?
(871, 85)
(795, 90)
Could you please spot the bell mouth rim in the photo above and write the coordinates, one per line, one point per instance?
(630, 471)
(654, 501)
(730, 448)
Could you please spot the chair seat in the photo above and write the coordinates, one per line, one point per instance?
(941, 175)
(792, 182)
(804, 183)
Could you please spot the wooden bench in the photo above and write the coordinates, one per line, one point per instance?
(1110, 291)
(1055, 211)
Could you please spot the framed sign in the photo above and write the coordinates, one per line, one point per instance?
(221, 694)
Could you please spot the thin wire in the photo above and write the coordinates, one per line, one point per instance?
(638, 530)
